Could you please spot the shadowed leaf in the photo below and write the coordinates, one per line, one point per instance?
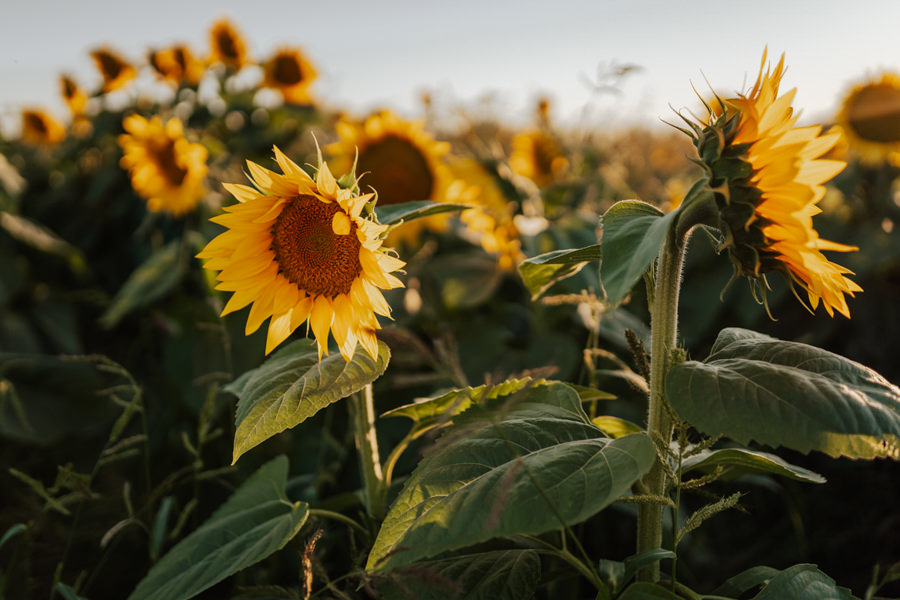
(292, 385)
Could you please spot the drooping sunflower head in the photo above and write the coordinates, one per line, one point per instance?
(490, 223)
(291, 73)
(538, 156)
(177, 65)
(870, 119)
(767, 177)
(166, 169)
(41, 129)
(227, 45)
(398, 159)
(75, 97)
(298, 250)
(116, 71)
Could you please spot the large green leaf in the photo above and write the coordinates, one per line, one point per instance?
(394, 214)
(254, 522)
(735, 462)
(633, 233)
(152, 280)
(542, 271)
(755, 387)
(803, 582)
(292, 385)
(429, 413)
(524, 464)
(495, 575)
(648, 591)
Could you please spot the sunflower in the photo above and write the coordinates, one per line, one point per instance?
(298, 249)
(870, 119)
(177, 65)
(768, 176)
(115, 70)
(289, 72)
(398, 159)
(165, 168)
(227, 45)
(40, 129)
(537, 155)
(491, 221)
(75, 97)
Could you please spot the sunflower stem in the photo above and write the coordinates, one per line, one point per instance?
(362, 414)
(663, 333)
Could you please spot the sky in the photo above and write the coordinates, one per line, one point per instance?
(373, 54)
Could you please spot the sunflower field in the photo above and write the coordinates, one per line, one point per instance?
(253, 346)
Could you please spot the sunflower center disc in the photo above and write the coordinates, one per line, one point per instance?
(164, 156)
(397, 170)
(227, 47)
(287, 70)
(875, 114)
(110, 66)
(36, 123)
(308, 251)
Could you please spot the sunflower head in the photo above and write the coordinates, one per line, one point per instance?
(490, 223)
(116, 71)
(399, 160)
(177, 65)
(41, 129)
(537, 155)
(870, 119)
(75, 97)
(166, 169)
(227, 45)
(297, 249)
(289, 72)
(766, 176)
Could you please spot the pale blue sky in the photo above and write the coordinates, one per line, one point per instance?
(373, 53)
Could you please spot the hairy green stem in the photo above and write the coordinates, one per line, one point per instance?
(362, 413)
(663, 333)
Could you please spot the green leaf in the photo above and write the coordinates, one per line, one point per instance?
(735, 462)
(152, 280)
(616, 427)
(803, 582)
(746, 580)
(43, 239)
(429, 413)
(524, 464)
(67, 592)
(636, 562)
(254, 522)
(12, 532)
(394, 214)
(542, 271)
(292, 385)
(648, 591)
(633, 233)
(496, 575)
(755, 387)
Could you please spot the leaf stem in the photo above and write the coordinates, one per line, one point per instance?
(663, 334)
(362, 414)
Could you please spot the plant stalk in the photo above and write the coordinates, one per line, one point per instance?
(362, 413)
(663, 334)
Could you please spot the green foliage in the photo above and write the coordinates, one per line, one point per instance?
(633, 234)
(542, 466)
(735, 462)
(754, 387)
(153, 279)
(540, 272)
(256, 521)
(498, 574)
(397, 214)
(293, 385)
